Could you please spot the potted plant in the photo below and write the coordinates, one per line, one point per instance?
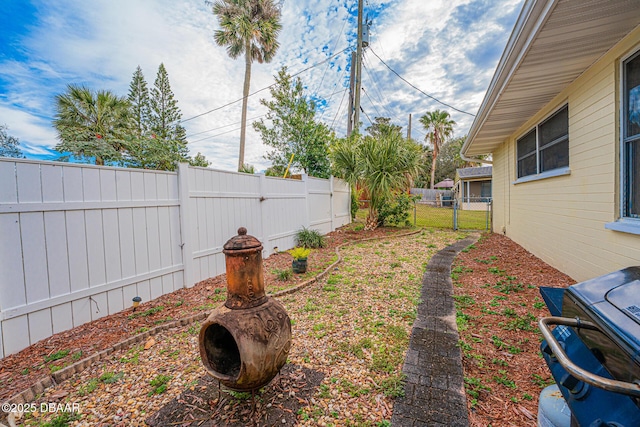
(299, 255)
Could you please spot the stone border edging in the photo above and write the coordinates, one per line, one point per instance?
(63, 374)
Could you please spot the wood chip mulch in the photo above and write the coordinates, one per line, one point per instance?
(496, 283)
(350, 333)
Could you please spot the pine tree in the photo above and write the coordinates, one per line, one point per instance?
(140, 103)
(170, 136)
(166, 114)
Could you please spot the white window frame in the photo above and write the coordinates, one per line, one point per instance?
(562, 170)
(627, 224)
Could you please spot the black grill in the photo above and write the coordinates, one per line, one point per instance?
(594, 351)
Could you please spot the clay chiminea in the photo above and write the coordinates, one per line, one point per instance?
(245, 342)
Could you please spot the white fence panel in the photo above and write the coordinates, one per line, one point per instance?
(341, 203)
(284, 212)
(320, 206)
(78, 242)
(68, 243)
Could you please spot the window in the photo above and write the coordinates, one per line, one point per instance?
(545, 147)
(631, 138)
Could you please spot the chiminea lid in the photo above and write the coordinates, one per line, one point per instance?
(242, 241)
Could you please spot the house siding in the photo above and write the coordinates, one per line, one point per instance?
(562, 219)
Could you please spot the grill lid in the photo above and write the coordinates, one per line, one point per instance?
(612, 302)
(627, 299)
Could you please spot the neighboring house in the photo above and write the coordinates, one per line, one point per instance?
(561, 119)
(473, 188)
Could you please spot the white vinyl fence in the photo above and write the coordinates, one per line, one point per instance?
(78, 242)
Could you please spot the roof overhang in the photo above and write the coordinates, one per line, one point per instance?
(553, 42)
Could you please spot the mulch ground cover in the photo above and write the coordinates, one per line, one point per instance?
(207, 404)
(18, 371)
(350, 334)
(496, 286)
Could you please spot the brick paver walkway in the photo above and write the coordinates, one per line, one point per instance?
(434, 388)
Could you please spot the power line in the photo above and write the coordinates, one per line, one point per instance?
(365, 113)
(339, 108)
(219, 134)
(418, 89)
(371, 101)
(265, 88)
(377, 88)
(222, 127)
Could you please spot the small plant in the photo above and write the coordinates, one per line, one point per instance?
(393, 386)
(239, 395)
(299, 253)
(542, 382)
(147, 313)
(76, 356)
(159, 384)
(62, 420)
(496, 271)
(89, 387)
(502, 379)
(110, 377)
(463, 301)
(61, 354)
(283, 275)
(499, 362)
(474, 387)
(310, 238)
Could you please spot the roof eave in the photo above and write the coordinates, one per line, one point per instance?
(531, 19)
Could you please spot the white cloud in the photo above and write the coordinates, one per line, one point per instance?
(100, 43)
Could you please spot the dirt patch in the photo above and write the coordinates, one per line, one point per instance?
(208, 404)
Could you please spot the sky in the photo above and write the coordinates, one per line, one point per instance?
(447, 49)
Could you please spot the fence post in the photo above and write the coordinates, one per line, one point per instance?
(185, 220)
(414, 213)
(486, 228)
(305, 178)
(266, 242)
(331, 200)
(455, 215)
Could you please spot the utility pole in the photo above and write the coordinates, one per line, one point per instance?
(409, 128)
(351, 84)
(356, 102)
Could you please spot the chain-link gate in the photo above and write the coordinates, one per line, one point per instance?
(467, 214)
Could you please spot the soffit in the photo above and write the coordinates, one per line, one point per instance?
(552, 44)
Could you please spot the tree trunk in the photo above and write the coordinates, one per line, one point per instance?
(433, 168)
(245, 99)
(436, 151)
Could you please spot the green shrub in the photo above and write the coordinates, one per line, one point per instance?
(396, 211)
(309, 238)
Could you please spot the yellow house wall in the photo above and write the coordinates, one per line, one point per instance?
(562, 219)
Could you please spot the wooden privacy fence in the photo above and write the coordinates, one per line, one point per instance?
(78, 242)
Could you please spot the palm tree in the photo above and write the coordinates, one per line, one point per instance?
(439, 127)
(248, 27)
(383, 165)
(92, 124)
